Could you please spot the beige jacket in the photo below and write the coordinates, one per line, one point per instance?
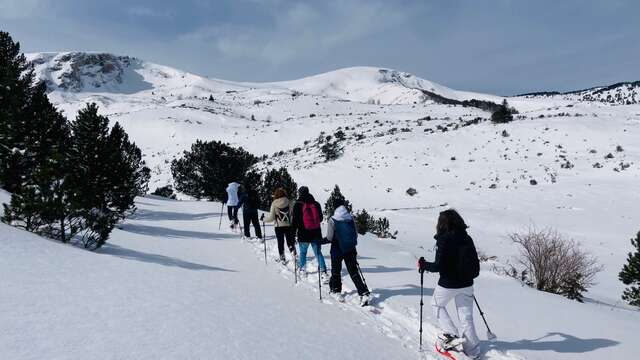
(276, 206)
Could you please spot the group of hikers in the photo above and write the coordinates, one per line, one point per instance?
(299, 221)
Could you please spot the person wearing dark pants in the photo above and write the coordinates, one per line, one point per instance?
(249, 203)
(351, 262)
(343, 235)
(280, 215)
(249, 219)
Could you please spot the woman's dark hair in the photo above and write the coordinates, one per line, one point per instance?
(450, 220)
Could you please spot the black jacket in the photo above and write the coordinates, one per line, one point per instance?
(448, 257)
(249, 202)
(303, 234)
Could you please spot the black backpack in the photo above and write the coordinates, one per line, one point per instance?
(468, 263)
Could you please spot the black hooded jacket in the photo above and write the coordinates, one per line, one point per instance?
(447, 261)
(305, 235)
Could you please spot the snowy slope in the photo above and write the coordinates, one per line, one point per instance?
(170, 285)
(451, 154)
(624, 93)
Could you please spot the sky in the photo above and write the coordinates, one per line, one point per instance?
(502, 47)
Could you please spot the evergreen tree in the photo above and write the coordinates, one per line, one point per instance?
(630, 274)
(16, 78)
(38, 199)
(253, 181)
(364, 221)
(335, 195)
(205, 170)
(129, 177)
(278, 178)
(90, 179)
(503, 114)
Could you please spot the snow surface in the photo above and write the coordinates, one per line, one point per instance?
(560, 142)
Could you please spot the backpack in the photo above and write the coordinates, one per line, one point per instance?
(310, 217)
(346, 234)
(468, 263)
(282, 215)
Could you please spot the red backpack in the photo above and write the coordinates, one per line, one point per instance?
(310, 217)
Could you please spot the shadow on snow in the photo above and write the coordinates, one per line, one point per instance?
(130, 254)
(567, 344)
(160, 231)
(143, 214)
(405, 290)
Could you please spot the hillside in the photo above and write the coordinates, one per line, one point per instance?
(567, 162)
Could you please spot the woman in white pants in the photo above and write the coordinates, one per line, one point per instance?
(457, 262)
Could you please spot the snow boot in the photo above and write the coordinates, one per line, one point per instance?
(325, 277)
(337, 295)
(450, 342)
(365, 299)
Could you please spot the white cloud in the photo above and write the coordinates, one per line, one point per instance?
(302, 30)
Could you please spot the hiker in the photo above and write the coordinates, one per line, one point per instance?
(280, 215)
(249, 202)
(343, 235)
(307, 215)
(232, 203)
(457, 262)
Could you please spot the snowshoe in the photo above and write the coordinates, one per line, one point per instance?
(337, 295)
(325, 278)
(365, 300)
(448, 342)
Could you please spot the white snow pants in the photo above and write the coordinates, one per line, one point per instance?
(464, 306)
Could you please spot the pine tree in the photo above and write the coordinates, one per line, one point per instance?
(90, 181)
(206, 169)
(278, 178)
(16, 78)
(503, 114)
(38, 199)
(630, 274)
(335, 195)
(128, 175)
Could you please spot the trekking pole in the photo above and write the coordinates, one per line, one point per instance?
(264, 241)
(362, 275)
(319, 278)
(319, 282)
(221, 212)
(421, 305)
(490, 335)
(295, 263)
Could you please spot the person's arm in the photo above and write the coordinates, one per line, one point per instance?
(271, 215)
(437, 264)
(330, 229)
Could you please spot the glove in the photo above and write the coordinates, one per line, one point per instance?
(422, 265)
(262, 216)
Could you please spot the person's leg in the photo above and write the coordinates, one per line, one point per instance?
(318, 252)
(256, 225)
(291, 239)
(304, 246)
(351, 261)
(464, 305)
(439, 301)
(335, 283)
(280, 234)
(235, 214)
(230, 213)
(246, 219)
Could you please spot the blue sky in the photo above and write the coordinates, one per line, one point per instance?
(496, 46)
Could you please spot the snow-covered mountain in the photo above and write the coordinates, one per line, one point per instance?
(623, 93)
(568, 161)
